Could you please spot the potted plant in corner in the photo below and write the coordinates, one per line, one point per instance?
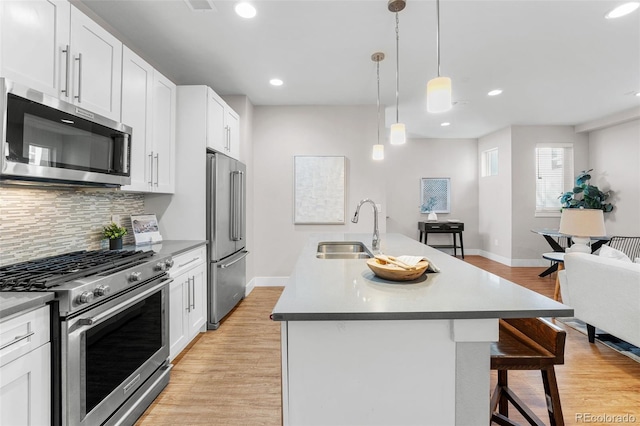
(114, 233)
(591, 197)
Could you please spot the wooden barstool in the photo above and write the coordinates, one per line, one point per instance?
(527, 344)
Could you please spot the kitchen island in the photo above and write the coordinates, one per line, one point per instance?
(360, 350)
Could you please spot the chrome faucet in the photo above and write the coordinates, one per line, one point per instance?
(375, 245)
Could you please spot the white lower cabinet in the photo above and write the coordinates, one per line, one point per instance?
(187, 299)
(25, 369)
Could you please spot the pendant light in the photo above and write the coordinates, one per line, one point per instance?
(378, 149)
(439, 88)
(398, 135)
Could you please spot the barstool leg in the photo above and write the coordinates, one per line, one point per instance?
(503, 405)
(552, 396)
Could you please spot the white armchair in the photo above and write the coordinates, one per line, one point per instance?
(604, 293)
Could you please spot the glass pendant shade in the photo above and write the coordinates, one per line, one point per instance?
(398, 134)
(439, 94)
(378, 152)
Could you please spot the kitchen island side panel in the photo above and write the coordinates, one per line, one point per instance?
(370, 373)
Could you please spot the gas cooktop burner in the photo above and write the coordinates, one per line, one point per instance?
(48, 272)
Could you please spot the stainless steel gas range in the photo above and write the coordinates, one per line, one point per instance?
(110, 331)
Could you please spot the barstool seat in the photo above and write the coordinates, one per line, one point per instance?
(527, 344)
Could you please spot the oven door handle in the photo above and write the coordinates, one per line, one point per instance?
(130, 302)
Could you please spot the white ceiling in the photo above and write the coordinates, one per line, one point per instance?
(558, 62)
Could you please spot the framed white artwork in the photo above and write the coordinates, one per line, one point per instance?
(319, 184)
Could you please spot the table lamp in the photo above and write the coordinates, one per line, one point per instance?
(582, 224)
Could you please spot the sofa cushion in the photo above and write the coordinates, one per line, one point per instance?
(611, 253)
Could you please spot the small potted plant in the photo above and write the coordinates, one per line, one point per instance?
(114, 233)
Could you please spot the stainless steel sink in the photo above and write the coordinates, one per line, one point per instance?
(343, 250)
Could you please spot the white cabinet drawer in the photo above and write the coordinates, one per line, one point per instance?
(23, 333)
(185, 261)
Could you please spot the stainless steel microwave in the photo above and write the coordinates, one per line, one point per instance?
(47, 140)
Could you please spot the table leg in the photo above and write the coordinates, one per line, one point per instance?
(554, 244)
(556, 292)
(420, 237)
(461, 245)
(550, 270)
(455, 247)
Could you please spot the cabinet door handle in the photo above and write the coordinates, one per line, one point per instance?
(193, 283)
(188, 295)
(17, 339)
(157, 168)
(151, 169)
(79, 95)
(66, 71)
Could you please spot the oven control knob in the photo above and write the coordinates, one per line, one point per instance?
(102, 290)
(169, 263)
(161, 266)
(85, 297)
(135, 276)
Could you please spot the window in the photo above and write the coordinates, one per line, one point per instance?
(554, 176)
(490, 162)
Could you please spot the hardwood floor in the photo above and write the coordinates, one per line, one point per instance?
(231, 376)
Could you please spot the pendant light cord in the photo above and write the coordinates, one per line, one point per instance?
(438, 33)
(378, 122)
(397, 67)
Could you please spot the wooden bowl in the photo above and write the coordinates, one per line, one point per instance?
(392, 272)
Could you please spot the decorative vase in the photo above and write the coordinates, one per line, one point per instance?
(432, 216)
(115, 244)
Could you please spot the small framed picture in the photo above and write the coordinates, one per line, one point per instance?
(145, 228)
(435, 195)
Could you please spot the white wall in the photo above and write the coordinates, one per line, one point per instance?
(525, 244)
(422, 158)
(614, 154)
(280, 133)
(494, 193)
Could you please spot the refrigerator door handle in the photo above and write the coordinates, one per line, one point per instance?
(242, 212)
(236, 190)
(243, 254)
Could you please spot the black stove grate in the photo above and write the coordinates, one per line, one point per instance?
(44, 273)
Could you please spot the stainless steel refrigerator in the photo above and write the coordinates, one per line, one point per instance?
(226, 225)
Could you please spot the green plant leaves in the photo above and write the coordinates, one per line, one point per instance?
(591, 198)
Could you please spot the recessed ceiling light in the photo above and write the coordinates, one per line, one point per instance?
(637, 93)
(276, 82)
(623, 9)
(245, 10)
(495, 92)
(445, 124)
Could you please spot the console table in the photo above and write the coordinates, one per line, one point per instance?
(443, 227)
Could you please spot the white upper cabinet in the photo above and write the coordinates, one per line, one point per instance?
(96, 66)
(232, 122)
(34, 41)
(216, 131)
(223, 126)
(149, 107)
(164, 134)
(137, 110)
(50, 46)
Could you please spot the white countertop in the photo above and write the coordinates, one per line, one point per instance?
(336, 289)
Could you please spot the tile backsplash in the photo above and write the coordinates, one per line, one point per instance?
(37, 222)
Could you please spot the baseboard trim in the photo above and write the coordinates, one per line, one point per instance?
(496, 258)
(270, 281)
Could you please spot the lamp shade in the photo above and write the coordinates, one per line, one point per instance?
(582, 223)
(398, 135)
(378, 152)
(439, 94)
